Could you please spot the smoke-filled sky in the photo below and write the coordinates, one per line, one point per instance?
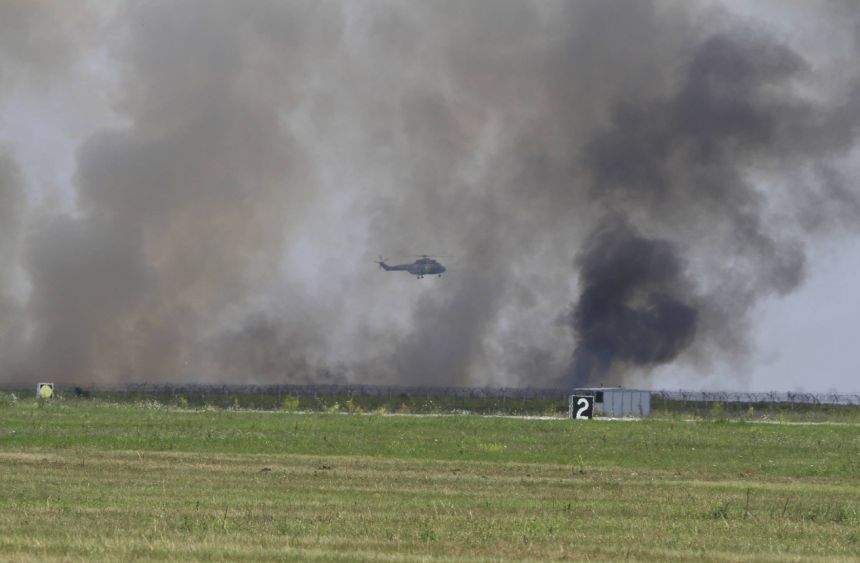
(655, 194)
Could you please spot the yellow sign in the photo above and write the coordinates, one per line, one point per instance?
(45, 390)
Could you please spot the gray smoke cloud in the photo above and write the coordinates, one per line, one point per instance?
(11, 209)
(620, 183)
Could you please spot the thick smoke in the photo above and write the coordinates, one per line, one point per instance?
(620, 182)
(683, 162)
(634, 306)
(183, 212)
(11, 208)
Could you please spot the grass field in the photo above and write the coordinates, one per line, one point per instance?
(91, 480)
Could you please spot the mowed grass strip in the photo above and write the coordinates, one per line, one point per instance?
(713, 448)
(91, 481)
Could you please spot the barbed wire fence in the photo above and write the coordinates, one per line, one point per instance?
(788, 397)
(501, 393)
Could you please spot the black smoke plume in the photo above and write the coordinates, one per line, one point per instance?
(683, 163)
(635, 305)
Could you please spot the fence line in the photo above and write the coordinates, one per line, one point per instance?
(521, 393)
(760, 397)
(358, 389)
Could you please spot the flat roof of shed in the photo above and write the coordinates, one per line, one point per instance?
(608, 389)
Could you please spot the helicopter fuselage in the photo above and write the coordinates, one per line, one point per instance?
(419, 268)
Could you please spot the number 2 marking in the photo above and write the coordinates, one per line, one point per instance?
(582, 402)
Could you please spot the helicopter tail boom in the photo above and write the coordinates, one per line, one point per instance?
(383, 265)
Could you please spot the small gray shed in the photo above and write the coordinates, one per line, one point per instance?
(618, 402)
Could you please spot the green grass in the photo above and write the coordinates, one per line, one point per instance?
(780, 412)
(92, 480)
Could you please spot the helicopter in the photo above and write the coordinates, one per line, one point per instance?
(424, 266)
